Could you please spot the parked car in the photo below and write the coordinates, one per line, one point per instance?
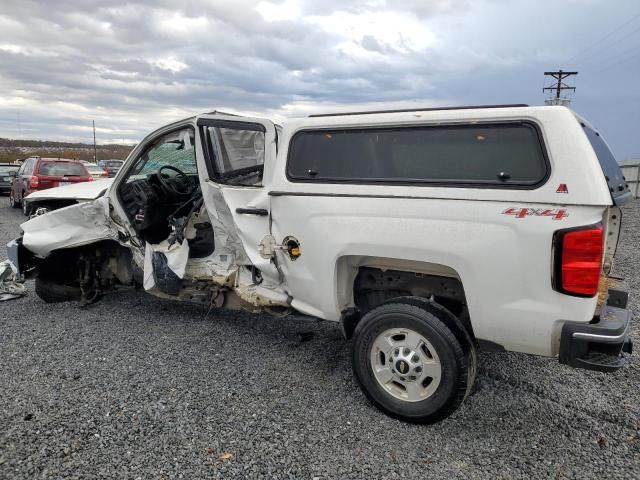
(111, 166)
(428, 234)
(38, 173)
(96, 171)
(7, 174)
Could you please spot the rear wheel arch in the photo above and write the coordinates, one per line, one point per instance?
(366, 282)
(462, 333)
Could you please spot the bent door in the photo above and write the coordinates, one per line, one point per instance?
(235, 161)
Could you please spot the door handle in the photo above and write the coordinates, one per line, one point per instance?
(261, 212)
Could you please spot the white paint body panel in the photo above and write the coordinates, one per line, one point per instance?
(78, 191)
(69, 227)
(503, 262)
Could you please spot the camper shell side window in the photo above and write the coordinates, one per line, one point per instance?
(496, 155)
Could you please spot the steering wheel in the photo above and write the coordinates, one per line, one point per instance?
(180, 186)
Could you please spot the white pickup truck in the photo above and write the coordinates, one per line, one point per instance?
(427, 234)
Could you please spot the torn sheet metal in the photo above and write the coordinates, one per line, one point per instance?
(10, 287)
(148, 282)
(259, 294)
(81, 191)
(224, 260)
(69, 227)
(222, 221)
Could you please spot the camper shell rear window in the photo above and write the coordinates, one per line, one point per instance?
(495, 155)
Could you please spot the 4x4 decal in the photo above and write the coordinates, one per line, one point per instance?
(555, 213)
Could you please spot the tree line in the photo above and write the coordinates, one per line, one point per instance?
(12, 150)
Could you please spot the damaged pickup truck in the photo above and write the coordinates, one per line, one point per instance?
(427, 233)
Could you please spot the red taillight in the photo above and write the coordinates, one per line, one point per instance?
(580, 260)
(105, 173)
(90, 179)
(35, 182)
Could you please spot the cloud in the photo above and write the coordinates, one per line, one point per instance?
(133, 66)
(279, 11)
(170, 64)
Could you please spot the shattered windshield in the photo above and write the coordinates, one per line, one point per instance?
(176, 150)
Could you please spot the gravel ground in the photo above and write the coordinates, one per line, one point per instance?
(135, 387)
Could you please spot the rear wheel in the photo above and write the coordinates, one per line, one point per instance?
(410, 363)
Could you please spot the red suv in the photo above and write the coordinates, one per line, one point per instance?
(38, 173)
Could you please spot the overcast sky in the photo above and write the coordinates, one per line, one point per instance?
(133, 66)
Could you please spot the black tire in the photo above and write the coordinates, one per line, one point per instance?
(52, 292)
(447, 336)
(12, 201)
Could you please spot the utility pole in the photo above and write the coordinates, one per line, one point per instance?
(95, 150)
(558, 87)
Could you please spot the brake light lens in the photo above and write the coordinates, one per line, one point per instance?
(580, 260)
(34, 182)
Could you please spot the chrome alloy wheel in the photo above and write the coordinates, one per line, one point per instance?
(405, 364)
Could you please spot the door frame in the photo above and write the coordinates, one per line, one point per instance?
(233, 205)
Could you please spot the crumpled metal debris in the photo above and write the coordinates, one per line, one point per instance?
(10, 286)
(170, 265)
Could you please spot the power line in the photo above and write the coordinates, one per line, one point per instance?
(624, 60)
(617, 59)
(604, 52)
(623, 38)
(624, 53)
(605, 37)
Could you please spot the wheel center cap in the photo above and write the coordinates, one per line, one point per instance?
(402, 367)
